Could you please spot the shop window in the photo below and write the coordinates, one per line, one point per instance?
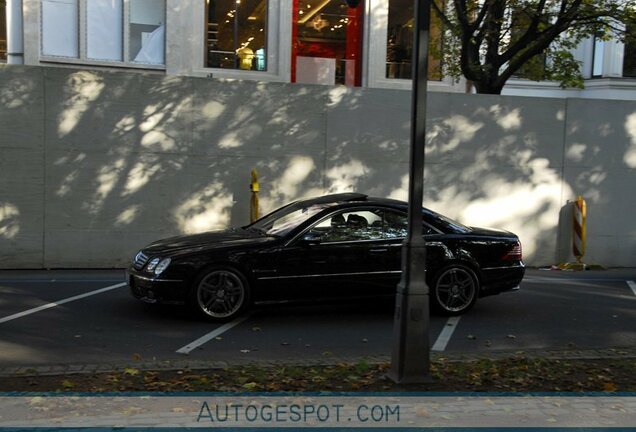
(327, 42)
(629, 57)
(115, 31)
(3, 31)
(236, 34)
(400, 42)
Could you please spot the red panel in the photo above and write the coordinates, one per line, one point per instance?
(354, 39)
(294, 48)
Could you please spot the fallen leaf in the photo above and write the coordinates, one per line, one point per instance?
(67, 384)
(609, 387)
(131, 371)
(511, 336)
(136, 356)
(471, 337)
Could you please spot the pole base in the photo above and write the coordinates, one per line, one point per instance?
(579, 266)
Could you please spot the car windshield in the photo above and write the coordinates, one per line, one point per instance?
(285, 219)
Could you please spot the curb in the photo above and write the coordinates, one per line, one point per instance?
(71, 369)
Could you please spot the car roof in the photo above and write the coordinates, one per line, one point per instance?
(349, 197)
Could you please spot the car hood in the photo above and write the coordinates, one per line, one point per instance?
(207, 240)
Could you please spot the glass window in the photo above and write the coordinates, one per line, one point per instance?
(60, 28)
(327, 42)
(533, 68)
(146, 31)
(629, 57)
(3, 31)
(118, 31)
(350, 226)
(400, 42)
(104, 30)
(599, 54)
(236, 34)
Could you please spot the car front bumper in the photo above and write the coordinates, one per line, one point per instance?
(150, 289)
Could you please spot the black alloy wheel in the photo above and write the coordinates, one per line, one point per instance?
(455, 290)
(220, 294)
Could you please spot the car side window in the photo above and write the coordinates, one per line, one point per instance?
(396, 225)
(350, 226)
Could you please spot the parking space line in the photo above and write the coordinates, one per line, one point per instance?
(60, 302)
(632, 285)
(208, 337)
(445, 334)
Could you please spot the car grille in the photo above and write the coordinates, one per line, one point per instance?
(140, 261)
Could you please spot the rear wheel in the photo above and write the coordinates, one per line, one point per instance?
(220, 294)
(455, 290)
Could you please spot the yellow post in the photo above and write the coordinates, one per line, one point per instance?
(578, 242)
(255, 188)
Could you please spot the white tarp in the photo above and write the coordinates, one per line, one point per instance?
(152, 49)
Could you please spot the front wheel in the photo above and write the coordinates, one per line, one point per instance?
(455, 290)
(220, 294)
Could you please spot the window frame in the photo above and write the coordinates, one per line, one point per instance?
(277, 57)
(375, 54)
(83, 59)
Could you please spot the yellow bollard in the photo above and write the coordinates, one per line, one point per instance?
(579, 238)
(578, 223)
(255, 188)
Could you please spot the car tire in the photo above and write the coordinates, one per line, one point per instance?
(454, 290)
(219, 294)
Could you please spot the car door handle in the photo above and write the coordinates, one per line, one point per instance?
(378, 250)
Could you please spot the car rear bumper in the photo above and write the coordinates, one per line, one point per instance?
(156, 290)
(498, 279)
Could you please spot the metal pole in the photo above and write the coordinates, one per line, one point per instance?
(15, 40)
(410, 360)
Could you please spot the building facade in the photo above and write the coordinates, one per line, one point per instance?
(297, 41)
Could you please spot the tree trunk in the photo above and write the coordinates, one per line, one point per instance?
(486, 87)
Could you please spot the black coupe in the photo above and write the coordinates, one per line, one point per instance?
(336, 245)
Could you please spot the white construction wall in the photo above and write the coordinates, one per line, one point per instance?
(95, 164)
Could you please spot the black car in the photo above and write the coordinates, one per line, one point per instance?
(336, 245)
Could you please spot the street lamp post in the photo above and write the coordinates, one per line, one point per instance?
(410, 362)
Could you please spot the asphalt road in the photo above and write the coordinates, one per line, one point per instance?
(88, 317)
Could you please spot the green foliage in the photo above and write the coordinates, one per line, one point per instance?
(489, 41)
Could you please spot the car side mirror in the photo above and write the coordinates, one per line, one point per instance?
(311, 239)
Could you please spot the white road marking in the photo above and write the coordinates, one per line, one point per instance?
(60, 302)
(632, 285)
(208, 337)
(445, 334)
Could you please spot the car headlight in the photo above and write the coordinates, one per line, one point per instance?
(152, 264)
(163, 264)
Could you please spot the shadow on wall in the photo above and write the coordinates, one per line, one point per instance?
(110, 161)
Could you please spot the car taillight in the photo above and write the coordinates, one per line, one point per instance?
(513, 254)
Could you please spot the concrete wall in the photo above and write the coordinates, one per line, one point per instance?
(95, 164)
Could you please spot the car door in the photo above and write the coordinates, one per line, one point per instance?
(396, 228)
(344, 253)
